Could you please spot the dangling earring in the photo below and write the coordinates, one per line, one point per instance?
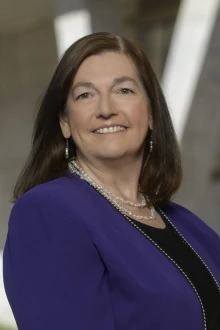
(151, 142)
(157, 190)
(67, 149)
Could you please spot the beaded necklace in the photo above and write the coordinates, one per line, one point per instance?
(77, 169)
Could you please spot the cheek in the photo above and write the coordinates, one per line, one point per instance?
(140, 114)
(76, 119)
(144, 111)
(79, 124)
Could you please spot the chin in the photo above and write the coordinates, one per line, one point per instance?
(114, 155)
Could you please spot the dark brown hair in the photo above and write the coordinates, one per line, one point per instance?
(161, 170)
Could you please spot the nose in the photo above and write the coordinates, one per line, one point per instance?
(106, 107)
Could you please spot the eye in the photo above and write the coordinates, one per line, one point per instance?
(126, 91)
(83, 96)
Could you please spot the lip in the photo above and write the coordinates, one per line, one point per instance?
(108, 126)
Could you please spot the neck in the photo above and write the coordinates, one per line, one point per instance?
(120, 177)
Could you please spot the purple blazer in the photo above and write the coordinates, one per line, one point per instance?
(73, 262)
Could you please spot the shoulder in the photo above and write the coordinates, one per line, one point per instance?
(186, 218)
(52, 210)
(180, 209)
(51, 192)
(43, 219)
(56, 187)
(56, 199)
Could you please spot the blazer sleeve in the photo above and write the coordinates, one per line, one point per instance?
(53, 275)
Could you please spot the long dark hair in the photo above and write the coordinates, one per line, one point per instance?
(161, 170)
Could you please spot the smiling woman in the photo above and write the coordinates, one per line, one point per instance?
(108, 102)
(94, 241)
(75, 86)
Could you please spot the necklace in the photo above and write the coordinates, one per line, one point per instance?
(82, 173)
(141, 204)
(77, 169)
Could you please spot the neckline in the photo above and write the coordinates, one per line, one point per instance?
(152, 228)
(138, 223)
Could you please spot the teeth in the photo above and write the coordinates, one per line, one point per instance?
(110, 129)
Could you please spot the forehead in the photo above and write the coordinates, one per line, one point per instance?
(107, 65)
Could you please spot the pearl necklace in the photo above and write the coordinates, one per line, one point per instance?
(77, 169)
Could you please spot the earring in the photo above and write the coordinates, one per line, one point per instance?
(151, 142)
(67, 149)
(157, 190)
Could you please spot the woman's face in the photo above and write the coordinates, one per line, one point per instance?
(107, 109)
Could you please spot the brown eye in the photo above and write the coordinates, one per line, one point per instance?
(126, 91)
(83, 96)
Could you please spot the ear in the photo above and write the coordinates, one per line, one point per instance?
(64, 125)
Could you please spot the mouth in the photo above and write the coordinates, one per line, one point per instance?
(111, 129)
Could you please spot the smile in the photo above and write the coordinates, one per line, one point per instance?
(111, 129)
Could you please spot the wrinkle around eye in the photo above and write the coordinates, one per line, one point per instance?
(83, 96)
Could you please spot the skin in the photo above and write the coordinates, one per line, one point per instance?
(107, 91)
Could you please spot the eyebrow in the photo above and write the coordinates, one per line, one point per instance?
(116, 81)
(120, 80)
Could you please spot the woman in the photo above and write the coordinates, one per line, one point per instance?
(94, 241)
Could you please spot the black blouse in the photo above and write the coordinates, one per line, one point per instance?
(171, 242)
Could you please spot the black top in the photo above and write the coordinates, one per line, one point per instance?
(172, 243)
